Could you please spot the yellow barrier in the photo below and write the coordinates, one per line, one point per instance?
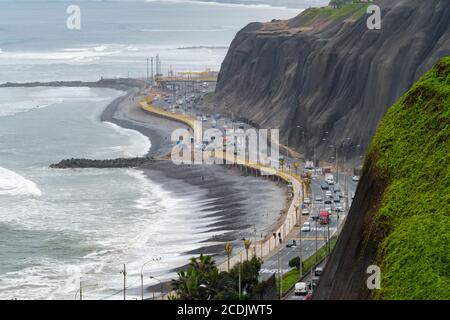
(166, 114)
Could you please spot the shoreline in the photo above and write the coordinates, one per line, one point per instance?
(221, 183)
(126, 112)
(290, 217)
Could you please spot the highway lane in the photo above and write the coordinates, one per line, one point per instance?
(308, 248)
(317, 236)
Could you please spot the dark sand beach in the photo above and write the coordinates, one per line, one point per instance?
(240, 204)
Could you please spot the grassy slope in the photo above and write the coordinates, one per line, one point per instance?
(350, 10)
(411, 148)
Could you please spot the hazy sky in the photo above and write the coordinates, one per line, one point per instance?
(281, 3)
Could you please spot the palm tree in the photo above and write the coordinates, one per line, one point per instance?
(203, 263)
(282, 163)
(296, 165)
(247, 245)
(228, 250)
(307, 181)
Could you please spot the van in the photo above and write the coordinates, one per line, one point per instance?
(300, 289)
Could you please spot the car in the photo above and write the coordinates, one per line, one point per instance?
(328, 194)
(337, 190)
(291, 244)
(325, 186)
(318, 271)
(314, 216)
(308, 296)
(305, 212)
(318, 199)
(355, 178)
(307, 201)
(336, 200)
(300, 289)
(339, 208)
(327, 201)
(306, 227)
(313, 283)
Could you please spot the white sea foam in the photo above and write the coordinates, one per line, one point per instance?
(67, 55)
(139, 144)
(13, 184)
(39, 98)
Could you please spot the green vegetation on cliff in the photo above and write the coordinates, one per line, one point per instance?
(350, 10)
(411, 152)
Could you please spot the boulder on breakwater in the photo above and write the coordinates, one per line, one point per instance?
(102, 164)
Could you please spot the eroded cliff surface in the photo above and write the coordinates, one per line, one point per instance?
(326, 71)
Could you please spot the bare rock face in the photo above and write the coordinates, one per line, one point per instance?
(331, 74)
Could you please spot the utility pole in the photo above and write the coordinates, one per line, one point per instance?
(316, 239)
(152, 78)
(124, 272)
(240, 288)
(287, 149)
(147, 73)
(81, 291)
(301, 249)
(142, 286)
(280, 267)
(328, 237)
(337, 168)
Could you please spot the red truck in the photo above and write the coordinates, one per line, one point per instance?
(326, 170)
(324, 217)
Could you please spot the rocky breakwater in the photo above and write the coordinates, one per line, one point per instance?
(102, 164)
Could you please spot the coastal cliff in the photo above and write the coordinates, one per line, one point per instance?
(325, 71)
(399, 219)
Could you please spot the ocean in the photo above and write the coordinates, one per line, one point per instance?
(60, 227)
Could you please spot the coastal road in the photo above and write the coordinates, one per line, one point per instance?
(309, 245)
(312, 240)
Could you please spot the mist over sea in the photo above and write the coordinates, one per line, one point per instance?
(57, 226)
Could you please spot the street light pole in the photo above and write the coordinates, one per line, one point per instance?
(161, 285)
(316, 239)
(328, 237)
(124, 272)
(142, 275)
(301, 249)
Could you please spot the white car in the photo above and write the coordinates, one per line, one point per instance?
(307, 201)
(328, 193)
(305, 212)
(300, 289)
(306, 227)
(355, 178)
(319, 199)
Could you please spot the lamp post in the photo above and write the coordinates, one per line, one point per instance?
(80, 290)
(124, 272)
(301, 249)
(336, 158)
(161, 284)
(142, 274)
(316, 238)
